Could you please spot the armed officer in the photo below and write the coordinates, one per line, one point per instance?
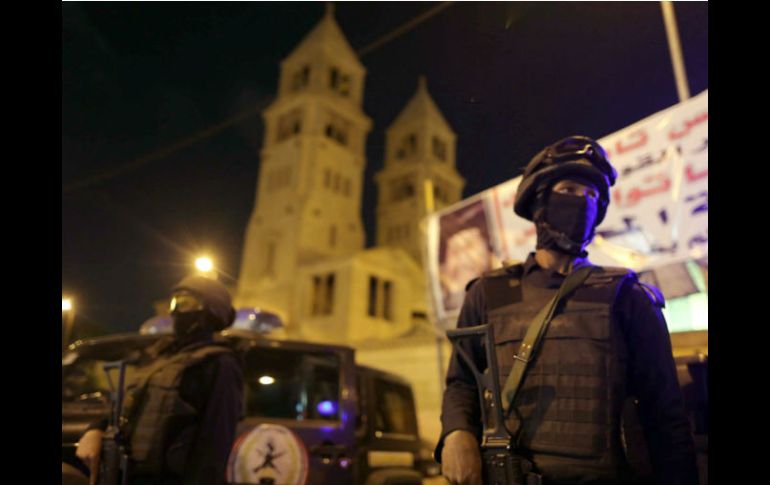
(183, 404)
(603, 366)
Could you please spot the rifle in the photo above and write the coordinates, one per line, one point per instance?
(500, 463)
(113, 466)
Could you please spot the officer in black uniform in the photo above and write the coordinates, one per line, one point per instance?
(184, 402)
(605, 364)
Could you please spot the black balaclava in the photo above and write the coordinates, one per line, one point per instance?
(188, 323)
(191, 316)
(565, 223)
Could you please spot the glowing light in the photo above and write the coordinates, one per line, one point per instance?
(204, 264)
(266, 380)
(66, 304)
(327, 408)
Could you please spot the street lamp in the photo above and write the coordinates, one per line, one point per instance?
(205, 266)
(68, 315)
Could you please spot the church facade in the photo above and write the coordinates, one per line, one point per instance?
(304, 256)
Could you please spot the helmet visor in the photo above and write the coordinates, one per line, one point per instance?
(184, 301)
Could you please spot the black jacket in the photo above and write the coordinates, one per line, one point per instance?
(651, 376)
(215, 389)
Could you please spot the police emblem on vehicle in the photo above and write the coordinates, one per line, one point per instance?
(268, 454)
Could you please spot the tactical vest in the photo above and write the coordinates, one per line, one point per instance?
(155, 404)
(568, 408)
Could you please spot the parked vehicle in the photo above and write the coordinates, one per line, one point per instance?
(311, 414)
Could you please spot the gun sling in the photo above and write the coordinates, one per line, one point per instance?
(535, 333)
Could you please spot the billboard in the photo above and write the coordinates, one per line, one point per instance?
(656, 224)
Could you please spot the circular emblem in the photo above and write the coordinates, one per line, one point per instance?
(268, 454)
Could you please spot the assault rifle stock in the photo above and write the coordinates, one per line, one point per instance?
(113, 468)
(501, 465)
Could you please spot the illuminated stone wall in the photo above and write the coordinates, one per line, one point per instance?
(419, 146)
(308, 200)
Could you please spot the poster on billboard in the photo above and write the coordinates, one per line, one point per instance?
(656, 224)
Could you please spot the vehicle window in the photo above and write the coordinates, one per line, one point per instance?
(395, 408)
(284, 383)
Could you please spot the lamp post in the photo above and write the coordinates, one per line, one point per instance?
(68, 317)
(430, 207)
(675, 48)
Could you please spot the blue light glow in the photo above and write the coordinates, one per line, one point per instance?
(327, 408)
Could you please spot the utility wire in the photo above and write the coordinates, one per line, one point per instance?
(239, 117)
(399, 31)
(164, 152)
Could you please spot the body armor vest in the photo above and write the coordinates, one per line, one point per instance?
(154, 406)
(567, 414)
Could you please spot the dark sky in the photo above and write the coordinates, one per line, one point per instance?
(139, 78)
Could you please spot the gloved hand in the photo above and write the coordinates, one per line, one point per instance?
(89, 451)
(461, 458)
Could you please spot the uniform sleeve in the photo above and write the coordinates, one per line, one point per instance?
(460, 405)
(208, 458)
(653, 381)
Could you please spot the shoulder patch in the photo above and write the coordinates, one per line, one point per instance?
(655, 295)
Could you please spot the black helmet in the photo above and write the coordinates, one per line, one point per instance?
(215, 297)
(574, 155)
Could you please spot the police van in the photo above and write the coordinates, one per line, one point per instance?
(311, 414)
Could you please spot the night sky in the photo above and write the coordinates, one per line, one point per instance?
(146, 186)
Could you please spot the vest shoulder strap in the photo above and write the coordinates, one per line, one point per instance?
(172, 371)
(208, 350)
(502, 286)
(602, 275)
(168, 368)
(609, 275)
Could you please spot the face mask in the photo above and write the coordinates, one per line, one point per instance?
(187, 323)
(567, 223)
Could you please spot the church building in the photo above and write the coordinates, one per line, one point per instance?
(304, 256)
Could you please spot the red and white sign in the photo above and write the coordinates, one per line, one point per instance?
(269, 453)
(658, 214)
